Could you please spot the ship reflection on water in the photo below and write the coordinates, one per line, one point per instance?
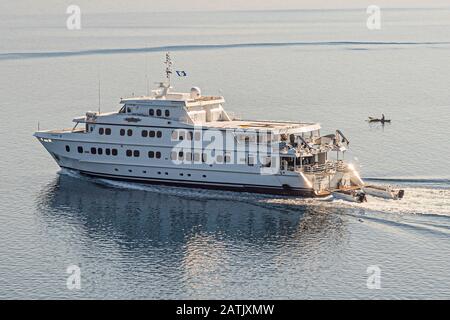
(188, 247)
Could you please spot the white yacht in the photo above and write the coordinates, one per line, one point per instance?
(189, 140)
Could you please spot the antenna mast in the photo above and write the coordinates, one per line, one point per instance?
(99, 96)
(168, 64)
(98, 89)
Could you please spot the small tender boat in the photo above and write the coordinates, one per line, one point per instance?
(354, 195)
(372, 119)
(386, 192)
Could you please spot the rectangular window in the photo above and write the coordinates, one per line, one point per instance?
(108, 131)
(114, 152)
(196, 157)
(136, 153)
(93, 150)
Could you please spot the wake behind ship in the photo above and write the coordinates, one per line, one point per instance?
(189, 140)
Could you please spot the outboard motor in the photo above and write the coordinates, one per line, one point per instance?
(361, 197)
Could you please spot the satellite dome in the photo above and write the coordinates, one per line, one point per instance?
(195, 92)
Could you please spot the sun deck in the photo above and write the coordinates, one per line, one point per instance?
(265, 125)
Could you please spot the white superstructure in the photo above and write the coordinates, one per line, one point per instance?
(187, 139)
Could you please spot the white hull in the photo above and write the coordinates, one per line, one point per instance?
(288, 183)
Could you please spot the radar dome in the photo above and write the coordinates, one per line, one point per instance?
(195, 92)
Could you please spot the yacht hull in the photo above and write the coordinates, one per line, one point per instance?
(261, 189)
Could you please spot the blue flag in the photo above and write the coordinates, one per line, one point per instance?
(181, 73)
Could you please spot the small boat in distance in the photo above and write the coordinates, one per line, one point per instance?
(382, 119)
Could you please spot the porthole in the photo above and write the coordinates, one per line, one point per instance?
(100, 151)
(122, 132)
(144, 133)
(151, 154)
(136, 153)
(101, 131)
(167, 113)
(129, 153)
(159, 134)
(93, 150)
(129, 132)
(108, 151)
(67, 148)
(158, 113)
(151, 134)
(158, 154)
(151, 112)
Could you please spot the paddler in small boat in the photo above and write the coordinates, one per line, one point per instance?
(382, 117)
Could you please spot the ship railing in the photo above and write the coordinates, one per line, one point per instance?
(325, 167)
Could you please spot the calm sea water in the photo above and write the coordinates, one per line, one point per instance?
(134, 241)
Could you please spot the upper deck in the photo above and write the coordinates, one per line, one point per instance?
(256, 125)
